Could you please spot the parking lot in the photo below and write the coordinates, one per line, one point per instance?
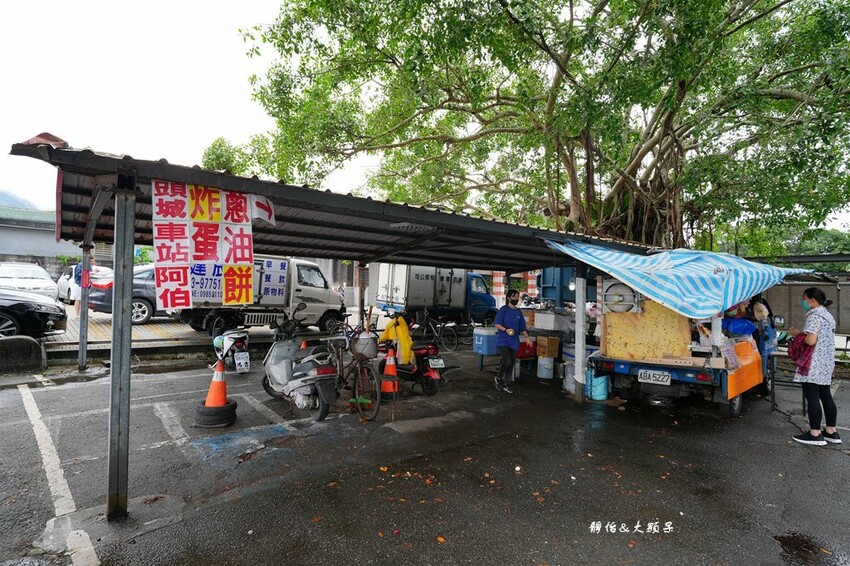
(470, 475)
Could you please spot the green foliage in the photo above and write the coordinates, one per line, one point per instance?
(659, 121)
(221, 155)
(144, 255)
(66, 260)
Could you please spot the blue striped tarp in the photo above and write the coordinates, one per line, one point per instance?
(693, 283)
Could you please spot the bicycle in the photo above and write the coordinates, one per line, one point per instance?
(437, 331)
(343, 328)
(357, 373)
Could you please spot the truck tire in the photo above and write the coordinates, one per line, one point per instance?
(328, 320)
(733, 408)
(220, 325)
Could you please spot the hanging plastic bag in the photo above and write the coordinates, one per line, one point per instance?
(738, 326)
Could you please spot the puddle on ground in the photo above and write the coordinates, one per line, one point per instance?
(800, 549)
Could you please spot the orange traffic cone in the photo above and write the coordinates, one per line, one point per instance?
(217, 395)
(389, 381)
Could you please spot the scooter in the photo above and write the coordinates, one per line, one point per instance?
(425, 369)
(232, 347)
(304, 376)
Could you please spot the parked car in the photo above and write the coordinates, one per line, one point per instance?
(63, 284)
(144, 295)
(30, 314)
(27, 277)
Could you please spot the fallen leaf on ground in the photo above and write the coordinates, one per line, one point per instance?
(383, 468)
(468, 459)
(632, 543)
(316, 520)
(380, 534)
(441, 539)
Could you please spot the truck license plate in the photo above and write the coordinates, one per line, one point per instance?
(242, 360)
(437, 363)
(654, 376)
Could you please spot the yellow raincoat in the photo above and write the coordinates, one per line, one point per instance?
(398, 331)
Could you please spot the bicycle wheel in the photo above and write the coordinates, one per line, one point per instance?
(367, 391)
(464, 333)
(336, 327)
(448, 338)
(420, 333)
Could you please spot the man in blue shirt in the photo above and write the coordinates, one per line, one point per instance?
(509, 325)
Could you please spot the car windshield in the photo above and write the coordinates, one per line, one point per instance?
(23, 272)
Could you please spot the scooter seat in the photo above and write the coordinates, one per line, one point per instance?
(420, 345)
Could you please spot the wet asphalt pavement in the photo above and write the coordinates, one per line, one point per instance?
(469, 476)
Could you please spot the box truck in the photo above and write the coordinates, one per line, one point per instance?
(280, 283)
(456, 294)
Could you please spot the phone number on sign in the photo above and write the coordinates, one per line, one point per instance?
(206, 283)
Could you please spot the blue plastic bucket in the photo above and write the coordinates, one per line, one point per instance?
(599, 388)
(595, 387)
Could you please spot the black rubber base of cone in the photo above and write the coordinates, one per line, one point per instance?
(215, 417)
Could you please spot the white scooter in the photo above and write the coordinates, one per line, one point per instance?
(232, 347)
(304, 376)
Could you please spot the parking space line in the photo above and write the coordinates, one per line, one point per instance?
(78, 541)
(263, 410)
(63, 502)
(171, 422)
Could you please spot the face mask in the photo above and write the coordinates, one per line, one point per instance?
(514, 302)
(805, 305)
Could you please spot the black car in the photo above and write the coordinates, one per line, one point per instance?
(30, 314)
(144, 295)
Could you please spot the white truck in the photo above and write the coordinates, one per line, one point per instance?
(280, 284)
(453, 293)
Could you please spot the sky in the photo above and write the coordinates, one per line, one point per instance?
(150, 79)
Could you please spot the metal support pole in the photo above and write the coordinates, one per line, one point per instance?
(85, 284)
(119, 395)
(361, 294)
(580, 333)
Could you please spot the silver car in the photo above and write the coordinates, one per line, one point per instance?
(27, 277)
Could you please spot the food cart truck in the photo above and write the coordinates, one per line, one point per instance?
(666, 326)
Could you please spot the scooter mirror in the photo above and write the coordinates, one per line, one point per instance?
(300, 307)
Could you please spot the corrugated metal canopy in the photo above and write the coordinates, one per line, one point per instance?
(310, 223)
